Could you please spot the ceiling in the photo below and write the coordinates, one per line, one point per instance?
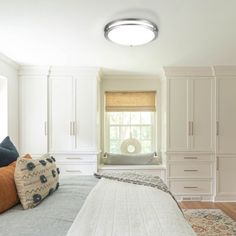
(70, 32)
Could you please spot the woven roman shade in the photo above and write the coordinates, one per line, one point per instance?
(130, 101)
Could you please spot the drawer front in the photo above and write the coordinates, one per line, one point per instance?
(76, 158)
(72, 169)
(191, 157)
(190, 187)
(189, 170)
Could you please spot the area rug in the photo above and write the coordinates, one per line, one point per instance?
(210, 222)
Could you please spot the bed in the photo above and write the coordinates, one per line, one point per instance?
(54, 216)
(86, 206)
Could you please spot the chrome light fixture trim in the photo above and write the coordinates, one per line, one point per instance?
(149, 26)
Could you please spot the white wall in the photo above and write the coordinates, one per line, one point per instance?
(3, 108)
(132, 83)
(9, 70)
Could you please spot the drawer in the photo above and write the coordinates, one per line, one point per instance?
(76, 158)
(189, 157)
(72, 169)
(190, 187)
(189, 170)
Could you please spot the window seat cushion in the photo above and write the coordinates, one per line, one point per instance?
(131, 159)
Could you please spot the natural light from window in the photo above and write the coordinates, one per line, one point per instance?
(125, 125)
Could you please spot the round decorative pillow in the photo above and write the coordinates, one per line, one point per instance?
(130, 146)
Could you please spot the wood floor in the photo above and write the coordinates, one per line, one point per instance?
(228, 208)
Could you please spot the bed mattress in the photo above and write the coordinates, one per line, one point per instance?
(54, 215)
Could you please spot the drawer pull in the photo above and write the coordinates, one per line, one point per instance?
(191, 187)
(191, 158)
(190, 170)
(73, 158)
(73, 171)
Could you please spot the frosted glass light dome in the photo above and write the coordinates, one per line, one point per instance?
(131, 32)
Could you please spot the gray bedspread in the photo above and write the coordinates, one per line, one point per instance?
(54, 216)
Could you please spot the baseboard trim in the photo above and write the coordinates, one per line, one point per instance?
(225, 198)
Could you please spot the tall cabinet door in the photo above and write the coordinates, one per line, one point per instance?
(202, 114)
(226, 115)
(33, 115)
(86, 106)
(178, 138)
(62, 114)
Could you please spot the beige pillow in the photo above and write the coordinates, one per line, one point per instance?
(35, 179)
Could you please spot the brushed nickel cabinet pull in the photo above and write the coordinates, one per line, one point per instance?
(190, 170)
(45, 128)
(217, 128)
(77, 126)
(74, 126)
(190, 187)
(73, 158)
(217, 163)
(189, 128)
(73, 171)
(191, 158)
(71, 131)
(192, 128)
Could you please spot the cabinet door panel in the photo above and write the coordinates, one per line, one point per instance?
(226, 99)
(178, 138)
(33, 115)
(61, 114)
(202, 108)
(226, 176)
(86, 113)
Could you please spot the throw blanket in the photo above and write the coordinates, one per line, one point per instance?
(137, 178)
(115, 208)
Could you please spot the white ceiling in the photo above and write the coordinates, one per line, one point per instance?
(70, 32)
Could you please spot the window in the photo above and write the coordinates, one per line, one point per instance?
(125, 125)
(130, 119)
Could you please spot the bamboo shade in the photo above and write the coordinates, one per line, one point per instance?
(130, 101)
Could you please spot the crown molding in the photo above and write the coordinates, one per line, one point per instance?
(34, 70)
(58, 71)
(74, 71)
(196, 71)
(225, 70)
(9, 61)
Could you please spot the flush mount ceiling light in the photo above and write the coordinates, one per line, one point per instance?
(131, 31)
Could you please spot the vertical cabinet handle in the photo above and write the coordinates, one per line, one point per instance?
(71, 131)
(217, 163)
(217, 128)
(77, 126)
(74, 128)
(45, 128)
(189, 128)
(192, 128)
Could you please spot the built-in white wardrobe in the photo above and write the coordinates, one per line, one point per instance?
(59, 114)
(201, 133)
(33, 108)
(225, 133)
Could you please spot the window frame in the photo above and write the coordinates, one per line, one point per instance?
(153, 127)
